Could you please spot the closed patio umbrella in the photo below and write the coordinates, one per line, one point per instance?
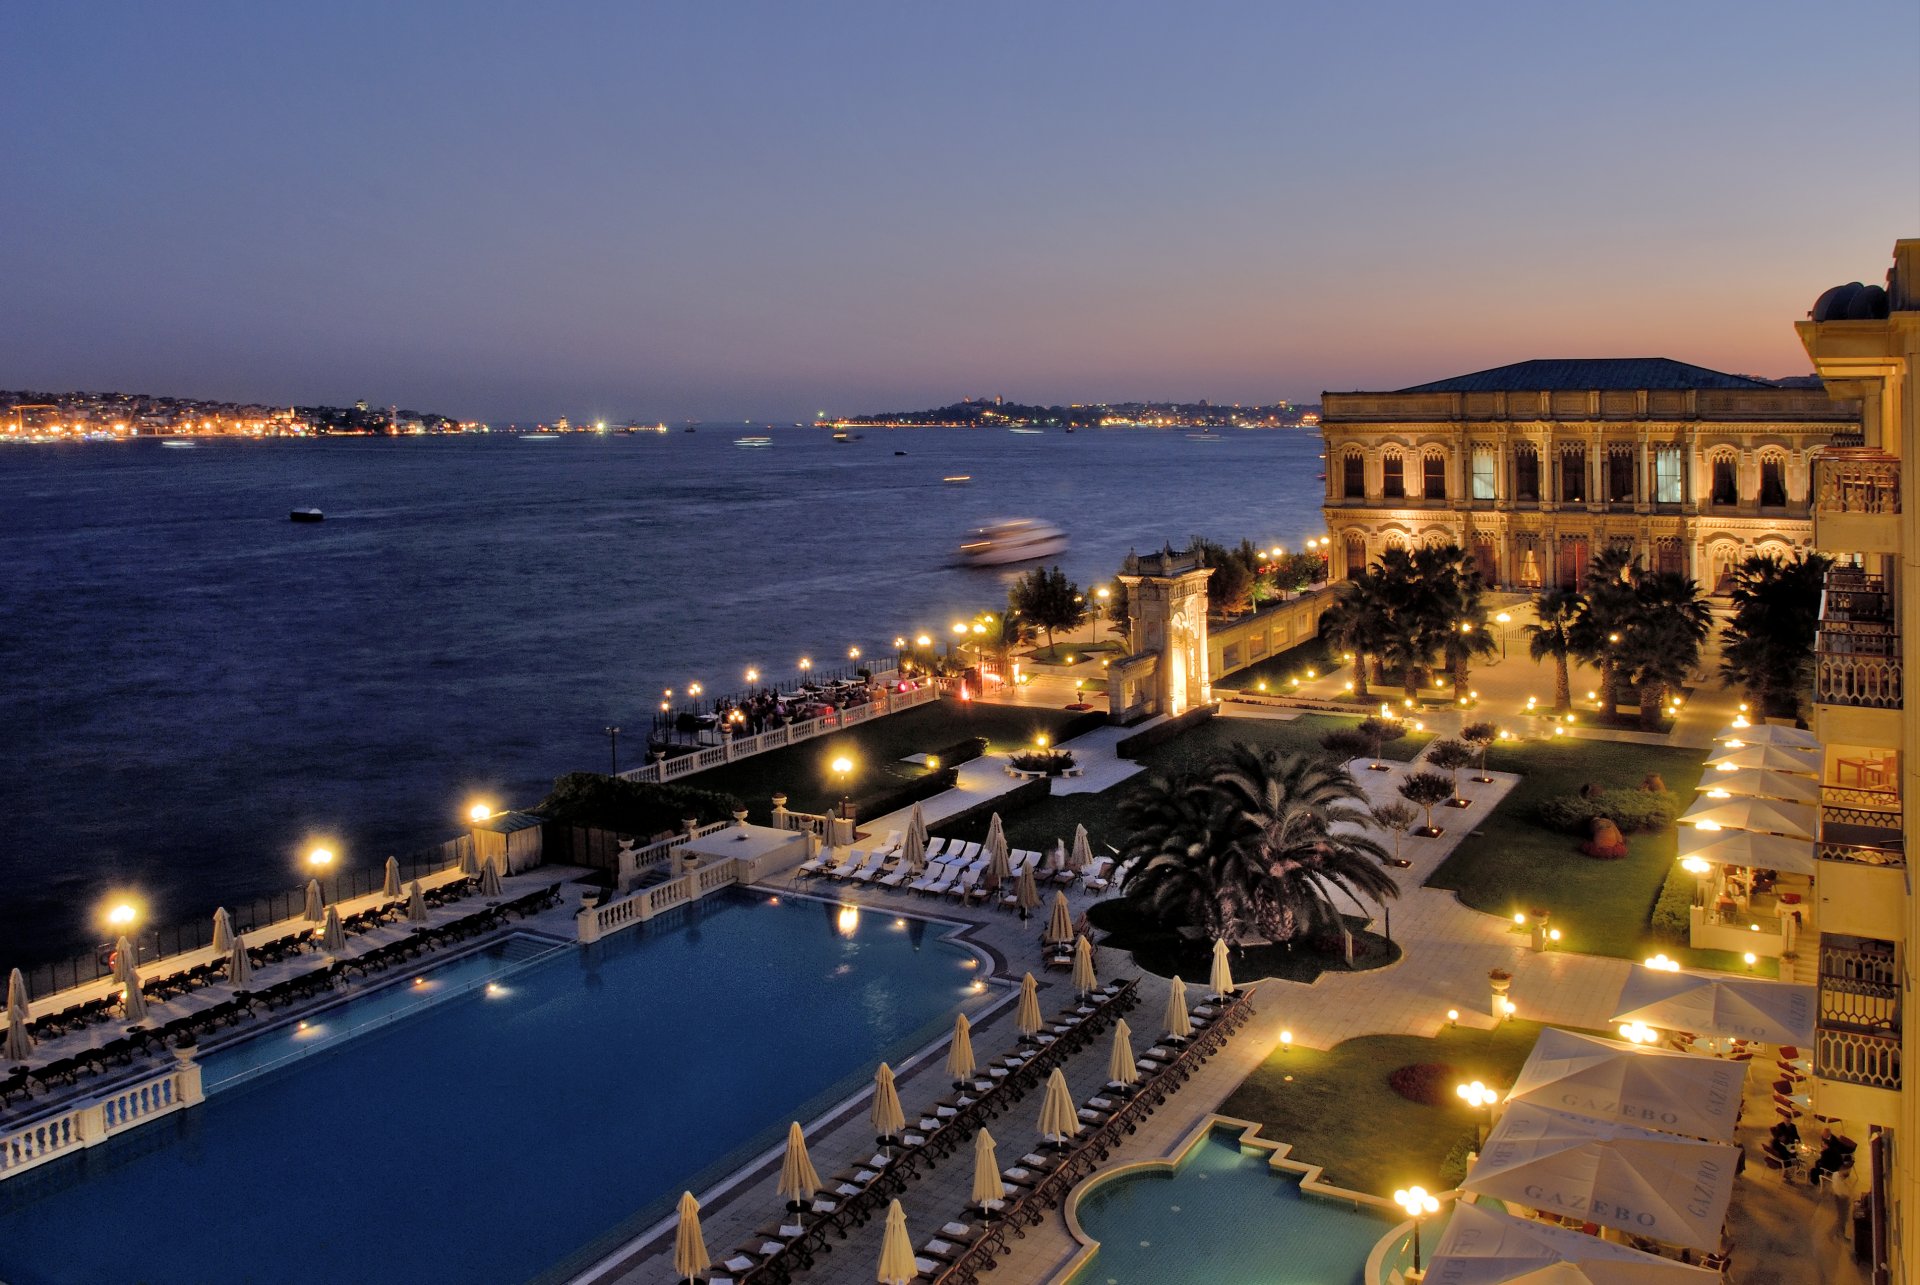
(1083, 979)
(333, 938)
(19, 1014)
(1179, 1024)
(1059, 922)
(469, 858)
(885, 1113)
(896, 1250)
(490, 878)
(1081, 855)
(987, 1186)
(1027, 1016)
(222, 931)
(416, 904)
(1221, 978)
(391, 888)
(239, 966)
(998, 870)
(1026, 893)
(128, 975)
(314, 911)
(1058, 1119)
(798, 1178)
(960, 1063)
(996, 840)
(917, 826)
(689, 1246)
(1120, 1063)
(913, 851)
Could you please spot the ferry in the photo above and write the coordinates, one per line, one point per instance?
(842, 435)
(1008, 540)
(306, 515)
(957, 479)
(753, 441)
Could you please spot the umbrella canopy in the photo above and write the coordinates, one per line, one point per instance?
(1120, 1063)
(913, 851)
(986, 1171)
(960, 1063)
(1081, 855)
(333, 938)
(1059, 921)
(1027, 1017)
(490, 878)
(1221, 978)
(1763, 816)
(917, 827)
(1782, 738)
(689, 1246)
(19, 1015)
(798, 1179)
(1482, 1246)
(1646, 1183)
(1758, 783)
(896, 1249)
(315, 903)
(391, 888)
(996, 840)
(1178, 1023)
(998, 869)
(1747, 848)
(1026, 893)
(469, 859)
(416, 904)
(885, 1113)
(1083, 976)
(1748, 1008)
(1766, 757)
(239, 966)
(1058, 1119)
(128, 975)
(1651, 1088)
(222, 931)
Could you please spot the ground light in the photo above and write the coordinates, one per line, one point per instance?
(1418, 1205)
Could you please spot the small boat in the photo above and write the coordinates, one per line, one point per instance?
(753, 441)
(689, 428)
(1027, 430)
(539, 437)
(958, 479)
(899, 452)
(1204, 437)
(1069, 428)
(306, 515)
(842, 435)
(179, 444)
(1012, 540)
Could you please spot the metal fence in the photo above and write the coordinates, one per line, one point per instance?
(163, 940)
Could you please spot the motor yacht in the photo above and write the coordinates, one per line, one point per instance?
(1007, 540)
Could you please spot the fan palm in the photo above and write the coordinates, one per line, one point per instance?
(1354, 623)
(1660, 646)
(1767, 648)
(1608, 592)
(1557, 611)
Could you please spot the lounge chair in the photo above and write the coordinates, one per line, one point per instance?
(821, 861)
(1098, 877)
(876, 860)
(947, 875)
(935, 871)
(897, 876)
(934, 848)
(967, 852)
(890, 844)
(846, 868)
(963, 888)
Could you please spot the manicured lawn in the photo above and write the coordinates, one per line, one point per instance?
(1337, 1109)
(1064, 653)
(1276, 669)
(1166, 954)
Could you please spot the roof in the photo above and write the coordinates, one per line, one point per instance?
(509, 822)
(1586, 373)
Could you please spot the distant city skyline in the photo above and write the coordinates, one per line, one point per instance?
(762, 211)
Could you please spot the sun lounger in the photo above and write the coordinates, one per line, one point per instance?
(897, 876)
(934, 873)
(821, 862)
(871, 867)
(854, 857)
(935, 847)
(969, 880)
(1098, 878)
(968, 851)
(947, 875)
(890, 844)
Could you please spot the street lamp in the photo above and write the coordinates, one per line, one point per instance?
(613, 746)
(753, 675)
(1480, 1098)
(1418, 1205)
(1103, 594)
(319, 859)
(121, 916)
(1504, 619)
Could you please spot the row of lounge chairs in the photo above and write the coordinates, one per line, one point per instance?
(953, 869)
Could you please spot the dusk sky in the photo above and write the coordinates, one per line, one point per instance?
(733, 210)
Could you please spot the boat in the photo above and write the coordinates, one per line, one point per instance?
(958, 479)
(842, 435)
(306, 515)
(179, 444)
(899, 452)
(753, 441)
(1008, 540)
(1204, 437)
(539, 437)
(1027, 430)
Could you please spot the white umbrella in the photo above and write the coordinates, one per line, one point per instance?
(1026, 894)
(1767, 757)
(470, 858)
(885, 1114)
(913, 851)
(1650, 1184)
(1769, 734)
(333, 938)
(1748, 848)
(998, 870)
(490, 878)
(1221, 979)
(987, 1186)
(1084, 979)
(222, 931)
(1179, 1023)
(1757, 783)
(1058, 1119)
(1749, 1008)
(1483, 1246)
(1763, 816)
(996, 840)
(127, 973)
(315, 903)
(1659, 1089)
(19, 1015)
(239, 966)
(1027, 1015)
(689, 1246)
(416, 904)
(391, 888)
(1082, 854)
(917, 826)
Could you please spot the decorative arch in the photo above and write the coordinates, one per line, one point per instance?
(1774, 462)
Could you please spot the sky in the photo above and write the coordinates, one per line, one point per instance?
(763, 210)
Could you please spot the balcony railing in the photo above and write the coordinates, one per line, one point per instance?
(1857, 1057)
(1857, 480)
(1852, 594)
(1863, 854)
(1871, 682)
(1859, 985)
(1856, 805)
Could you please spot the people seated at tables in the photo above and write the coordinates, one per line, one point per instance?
(1836, 1153)
(1781, 1141)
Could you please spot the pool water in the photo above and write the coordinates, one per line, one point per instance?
(515, 1130)
(1226, 1217)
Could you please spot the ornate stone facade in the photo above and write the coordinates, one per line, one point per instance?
(1167, 621)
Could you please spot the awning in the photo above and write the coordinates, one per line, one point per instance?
(1785, 738)
(1768, 757)
(1749, 1008)
(1745, 848)
(1645, 1183)
(1765, 816)
(1483, 1246)
(1683, 1093)
(1757, 783)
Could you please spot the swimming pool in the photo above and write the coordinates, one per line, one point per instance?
(519, 1128)
(1226, 1216)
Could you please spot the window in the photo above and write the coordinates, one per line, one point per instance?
(1668, 557)
(1483, 472)
(1725, 491)
(1619, 476)
(1773, 482)
(1526, 474)
(1667, 487)
(1356, 555)
(1573, 475)
(1433, 477)
(1353, 475)
(1393, 483)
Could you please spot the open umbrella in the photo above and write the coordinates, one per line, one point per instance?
(1748, 848)
(1026, 894)
(1058, 1119)
(1221, 978)
(887, 1117)
(896, 1250)
(689, 1246)
(1768, 734)
(128, 975)
(1768, 758)
(490, 878)
(960, 1063)
(1059, 922)
(1758, 783)
(239, 966)
(1763, 816)
(987, 1186)
(222, 931)
(1179, 1025)
(917, 826)
(333, 938)
(1483, 1246)
(1081, 855)
(1121, 1069)
(1083, 979)
(798, 1178)
(19, 1014)
(391, 888)
(416, 904)
(1656, 1089)
(313, 913)
(913, 851)
(1749, 1008)
(1027, 1016)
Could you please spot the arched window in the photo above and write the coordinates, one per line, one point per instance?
(1353, 475)
(1773, 480)
(1356, 554)
(1726, 486)
(1393, 476)
(1433, 476)
(1526, 474)
(1573, 474)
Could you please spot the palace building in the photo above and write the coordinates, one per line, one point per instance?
(1534, 467)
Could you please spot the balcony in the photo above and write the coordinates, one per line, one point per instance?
(1869, 1059)
(1861, 814)
(1857, 1039)
(1856, 501)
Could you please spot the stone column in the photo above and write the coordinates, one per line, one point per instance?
(1500, 980)
(779, 811)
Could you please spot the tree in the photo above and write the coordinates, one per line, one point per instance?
(1557, 612)
(1354, 623)
(1380, 732)
(1046, 599)
(1399, 818)
(1424, 790)
(1345, 744)
(1660, 645)
(1456, 600)
(1767, 648)
(1481, 736)
(1607, 611)
(1405, 634)
(1450, 756)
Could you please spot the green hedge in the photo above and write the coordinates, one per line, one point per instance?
(1634, 811)
(971, 825)
(1672, 912)
(1080, 725)
(632, 807)
(1134, 746)
(962, 751)
(935, 782)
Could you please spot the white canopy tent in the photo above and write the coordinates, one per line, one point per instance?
(1784, 738)
(1758, 783)
(1644, 1183)
(1748, 848)
(1682, 1093)
(1486, 1247)
(1763, 816)
(1768, 758)
(1749, 1008)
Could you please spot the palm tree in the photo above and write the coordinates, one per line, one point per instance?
(1455, 598)
(1405, 635)
(1767, 648)
(1609, 596)
(1557, 612)
(1168, 863)
(1353, 623)
(1660, 646)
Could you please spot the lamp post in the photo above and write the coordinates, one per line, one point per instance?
(1504, 620)
(1480, 1098)
(613, 747)
(1103, 594)
(1418, 1205)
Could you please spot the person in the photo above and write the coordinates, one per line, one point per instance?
(1836, 1153)
(1782, 1139)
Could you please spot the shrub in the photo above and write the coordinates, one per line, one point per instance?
(971, 825)
(1052, 762)
(631, 807)
(1080, 724)
(935, 782)
(1344, 744)
(1428, 1083)
(962, 751)
(1672, 911)
(1453, 1170)
(1132, 747)
(1634, 811)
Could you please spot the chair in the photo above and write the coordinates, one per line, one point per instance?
(968, 881)
(935, 847)
(1098, 877)
(846, 868)
(934, 873)
(871, 867)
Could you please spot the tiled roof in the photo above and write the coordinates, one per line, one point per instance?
(1588, 373)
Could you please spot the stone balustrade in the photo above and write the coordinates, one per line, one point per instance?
(1857, 480)
(739, 747)
(93, 1120)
